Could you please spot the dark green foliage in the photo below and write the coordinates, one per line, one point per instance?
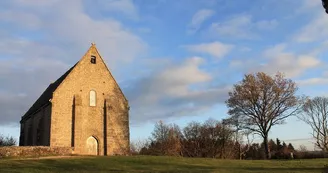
(279, 146)
(290, 147)
(272, 146)
(277, 150)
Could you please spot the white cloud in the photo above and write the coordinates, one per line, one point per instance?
(277, 58)
(198, 19)
(22, 80)
(275, 50)
(325, 74)
(313, 81)
(33, 21)
(307, 61)
(240, 26)
(68, 24)
(53, 40)
(175, 90)
(309, 5)
(144, 30)
(216, 49)
(235, 27)
(178, 78)
(289, 63)
(245, 49)
(267, 24)
(315, 30)
(236, 64)
(322, 80)
(35, 3)
(126, 7)
(174, 80)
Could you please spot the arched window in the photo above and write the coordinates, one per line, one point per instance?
(93, 59)
(92, 98)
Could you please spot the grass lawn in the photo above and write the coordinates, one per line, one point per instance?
(157, 164)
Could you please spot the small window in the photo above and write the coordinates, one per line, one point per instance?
(92, 98)
(93, 59)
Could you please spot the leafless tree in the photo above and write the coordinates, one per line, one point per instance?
(315, 114)
(7, 141)
(247, 145)
(165, 140)
(161, 132)
(137, 145)
(303, 148)
(208, 139)
(192, 141)
(260, 101)
(235, 124)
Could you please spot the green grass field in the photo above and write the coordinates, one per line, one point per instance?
(157, 164)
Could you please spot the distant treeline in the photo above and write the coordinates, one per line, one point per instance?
(7, 141)
(213, 139)
(256, 104)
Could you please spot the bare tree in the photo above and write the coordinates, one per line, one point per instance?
(315, 114)
(165, 140)
(192, 142)
(235, 124)
(7, 141)
(161, 132)
(260, 101)
(210, 139)
(243, 149)
(137, 145)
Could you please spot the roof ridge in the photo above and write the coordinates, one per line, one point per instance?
(110, 73)
(47, 94)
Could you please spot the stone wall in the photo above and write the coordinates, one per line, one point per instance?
(35, 130)
(75, 116)
(74, 120)
(36, 151)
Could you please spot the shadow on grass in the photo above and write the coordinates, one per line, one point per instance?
(90, 165)
(312, 170)
(141, 164)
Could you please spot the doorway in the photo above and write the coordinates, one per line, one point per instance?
(92, 146)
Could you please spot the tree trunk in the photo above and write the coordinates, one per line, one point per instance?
(239, 151)
(266, 147)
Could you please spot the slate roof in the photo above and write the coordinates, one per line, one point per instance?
(47, 94)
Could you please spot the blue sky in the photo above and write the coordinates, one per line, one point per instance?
(175, 60)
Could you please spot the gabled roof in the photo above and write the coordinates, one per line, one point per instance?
(47, 94)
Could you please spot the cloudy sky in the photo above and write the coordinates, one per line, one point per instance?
(174, 60)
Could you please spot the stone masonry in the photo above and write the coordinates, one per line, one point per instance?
(84, 109)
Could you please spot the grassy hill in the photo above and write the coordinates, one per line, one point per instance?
(157, 164)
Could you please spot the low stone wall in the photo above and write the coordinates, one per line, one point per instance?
(34, 151)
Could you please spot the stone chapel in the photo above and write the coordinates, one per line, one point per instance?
(84, 109)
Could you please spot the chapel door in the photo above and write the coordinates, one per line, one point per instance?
(92, 146)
